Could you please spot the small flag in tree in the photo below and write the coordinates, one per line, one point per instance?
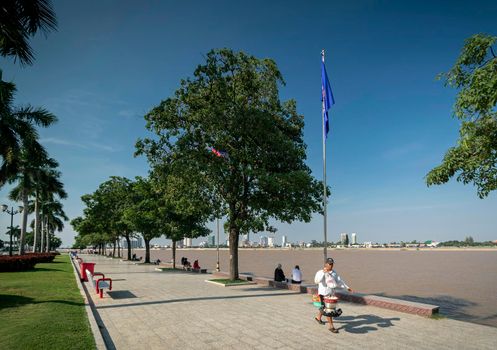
(221, 154)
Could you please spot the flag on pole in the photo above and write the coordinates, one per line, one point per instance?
(326, 95)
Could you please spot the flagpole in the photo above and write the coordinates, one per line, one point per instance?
(325, 250)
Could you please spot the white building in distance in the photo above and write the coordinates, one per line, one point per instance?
(187, 242)
(343, 238)
(270, 242)
(283, 241)
(353, 238)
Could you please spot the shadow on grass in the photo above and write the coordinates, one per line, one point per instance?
(9, 301)
(362, 324)
(36, 269)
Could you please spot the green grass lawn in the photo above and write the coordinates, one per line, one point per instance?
(229, 281)
(43, 309)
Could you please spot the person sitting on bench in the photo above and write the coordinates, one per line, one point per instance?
(186, 264)
(196, 266)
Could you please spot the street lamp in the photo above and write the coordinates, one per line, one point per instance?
(217, 264)
(12, 212)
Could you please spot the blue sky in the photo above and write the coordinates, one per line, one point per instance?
(112, 61)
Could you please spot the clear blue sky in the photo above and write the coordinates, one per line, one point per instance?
(111, 61)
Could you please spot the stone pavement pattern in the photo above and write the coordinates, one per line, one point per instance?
(175, 310)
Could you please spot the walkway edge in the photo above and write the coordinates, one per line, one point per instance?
(90, 309)
(409, 307)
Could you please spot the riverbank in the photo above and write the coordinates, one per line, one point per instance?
(179, 310)
(430, 276)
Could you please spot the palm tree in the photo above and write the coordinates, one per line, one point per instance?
(53, 219)
(17, 129)
(31, 159)
(47, 185)
(21, 19)
(15, 232)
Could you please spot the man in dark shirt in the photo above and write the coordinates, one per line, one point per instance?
(279, 276)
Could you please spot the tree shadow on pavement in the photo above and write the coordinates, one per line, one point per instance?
(363, 324)
(190, 300)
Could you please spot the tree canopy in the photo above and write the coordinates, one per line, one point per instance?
(474, 158)
(21, 19)
(234, 145)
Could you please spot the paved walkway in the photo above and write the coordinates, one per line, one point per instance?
(175, 310)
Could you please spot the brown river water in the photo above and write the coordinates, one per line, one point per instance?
(462, 282)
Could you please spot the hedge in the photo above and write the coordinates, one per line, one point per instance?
(24, 262)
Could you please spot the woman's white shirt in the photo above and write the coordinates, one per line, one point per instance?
(327, 281)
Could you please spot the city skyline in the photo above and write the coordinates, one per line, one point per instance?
(110, 63)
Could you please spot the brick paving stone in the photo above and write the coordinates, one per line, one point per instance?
(176, 310)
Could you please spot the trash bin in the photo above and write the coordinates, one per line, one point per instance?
(86, 266)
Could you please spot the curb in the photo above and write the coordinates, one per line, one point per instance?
(358, 298)
(90, 311)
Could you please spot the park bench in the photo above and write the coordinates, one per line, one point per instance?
(100, 283)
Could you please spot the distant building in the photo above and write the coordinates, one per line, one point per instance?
(263, 241)
(187, 242)
(283, 241)
(134, 242)
(344, 238)
(353, 238)
(270, 242)
(211, 241)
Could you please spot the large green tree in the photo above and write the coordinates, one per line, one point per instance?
(114, 196)
(144, 212)
(20, 20)
(237, 146)
(474, 158)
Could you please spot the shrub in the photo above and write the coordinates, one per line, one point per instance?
(24, 262)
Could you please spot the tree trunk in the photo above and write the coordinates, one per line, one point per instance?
(36, 233)
(174, 253)
(147, 250)
(114, 249)
(24, 222)
(234, 236)
(118, 248)
(42, 234)
(48, 236)
(128, 242)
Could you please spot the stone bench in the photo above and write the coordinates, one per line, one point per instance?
(358, 298)
(191, 269)
(100, 283)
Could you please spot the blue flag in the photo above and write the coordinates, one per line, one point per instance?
(326, 97)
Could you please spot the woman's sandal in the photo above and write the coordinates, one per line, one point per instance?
(333, 330)
(318, 321)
